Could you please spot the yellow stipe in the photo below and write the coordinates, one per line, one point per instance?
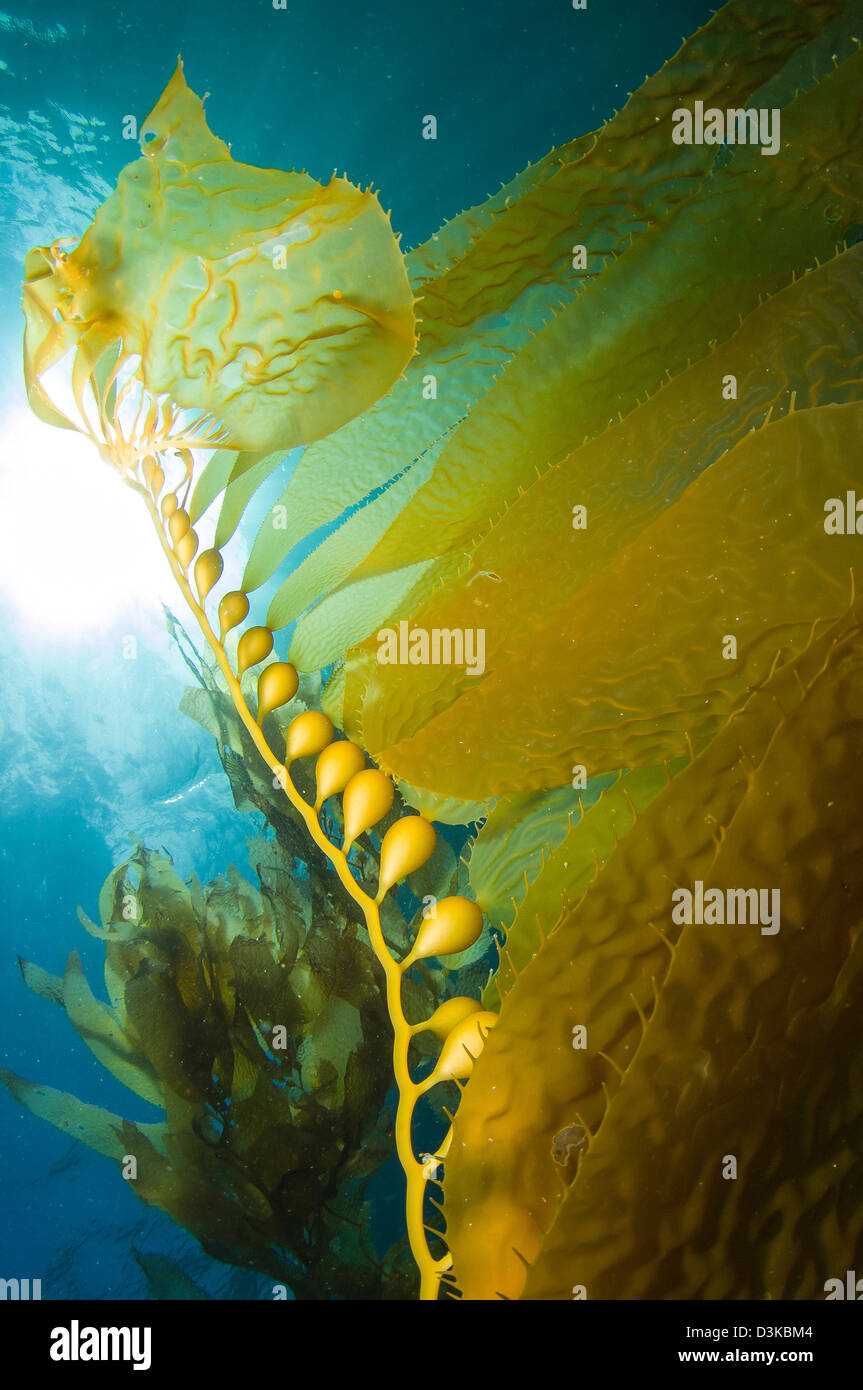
(430, 1269)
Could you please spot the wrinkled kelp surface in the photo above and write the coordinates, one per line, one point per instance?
(602, 1165)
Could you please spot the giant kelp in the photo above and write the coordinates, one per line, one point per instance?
(799, 351)
(268, 1139)
(616, 336)
(481, 309)
(705, 570)
(534, 574)
(637, 383)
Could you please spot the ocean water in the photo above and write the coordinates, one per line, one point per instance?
(93, 750)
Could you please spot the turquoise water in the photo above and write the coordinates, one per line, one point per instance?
(92, 748)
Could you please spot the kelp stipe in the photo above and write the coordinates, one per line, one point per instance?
(151, 380)
(367, 795)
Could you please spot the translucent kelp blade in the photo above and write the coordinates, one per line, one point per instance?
(509, 850)
(742, 814)
(225, 466)
(641, 320)
(332, 561)
(93, 1126)
(803, 347)
(609, 187)
(629, 174)
(343, 617)
(568, 870)
(644, 663)
(453, 241)
(273, 304)
(637, 323)
(357, 606)
(247, 475)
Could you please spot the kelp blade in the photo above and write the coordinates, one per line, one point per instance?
(736, 1008)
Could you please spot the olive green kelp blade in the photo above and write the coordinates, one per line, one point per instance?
(102, 1030)
(636, 1053)
(514, 276)
(166, 1280)
(91, 1124)
(267, 1141)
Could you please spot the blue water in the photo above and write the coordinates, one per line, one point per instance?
(92, 747)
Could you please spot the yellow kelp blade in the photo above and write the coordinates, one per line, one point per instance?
(276, 305)
(802, 347)
(778, 1084)
(639, 320)
(515, 271)
(575, 1054)
(653, 319)
(568, 869)
(662, 645)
